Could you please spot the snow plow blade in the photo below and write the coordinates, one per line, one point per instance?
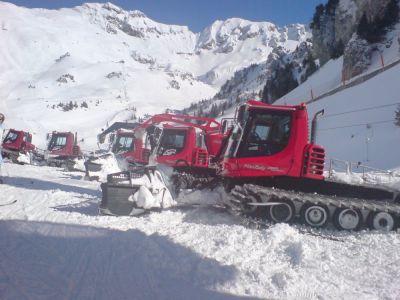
(132, 193)
(115, 200)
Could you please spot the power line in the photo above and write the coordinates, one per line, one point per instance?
(364, 124)
(363, 109)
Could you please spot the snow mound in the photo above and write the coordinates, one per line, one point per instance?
(106, 164)
(24, 158)
(153, 192)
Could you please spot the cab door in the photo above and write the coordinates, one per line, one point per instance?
(265, 147)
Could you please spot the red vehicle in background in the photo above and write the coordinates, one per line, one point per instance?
(175, 140)
(17, 142)
(62, 146)
(184, 142)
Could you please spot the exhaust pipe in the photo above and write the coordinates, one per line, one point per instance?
(314, 125)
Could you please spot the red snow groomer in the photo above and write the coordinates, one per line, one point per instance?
(272, 170)
(122, 143)
(180, 141)
(62, 147)
(122, 139)
(188, 144)
(16, 143)
(175, 140)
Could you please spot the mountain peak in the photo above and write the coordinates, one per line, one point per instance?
(225, 36)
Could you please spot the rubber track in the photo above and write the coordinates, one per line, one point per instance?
(240, 196)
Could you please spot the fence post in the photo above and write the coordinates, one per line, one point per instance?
(382, 61)
(348, 168)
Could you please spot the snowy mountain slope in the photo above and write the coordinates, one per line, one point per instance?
(367, 133)
(330, 75)
(116, 60)
(358, 125)
(55, 245)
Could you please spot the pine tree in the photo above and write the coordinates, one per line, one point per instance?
(391, 15)
(316, 21)
(337, 50)
(363, 27)
(309, 64)
(374, 30)
(265, 94)
(397, 117)
(281, 83)
(330, 7)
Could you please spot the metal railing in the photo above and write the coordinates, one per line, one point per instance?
(367, 173)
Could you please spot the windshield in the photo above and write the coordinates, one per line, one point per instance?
(172, 142)
(11, 137)
(57, 142)
(123, 144)
(266, 133)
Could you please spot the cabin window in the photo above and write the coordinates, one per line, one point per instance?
(123, 144)
(57, 142)
(266, 133)
(10, 138)
(172, 142)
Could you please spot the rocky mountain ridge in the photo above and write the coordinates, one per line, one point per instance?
(353, 28)
(357, 30)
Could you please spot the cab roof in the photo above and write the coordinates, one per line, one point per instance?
(252, 104)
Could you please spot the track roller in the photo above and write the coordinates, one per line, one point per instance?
(284, 212)
(314, 215)
(347, 219)
(382, 221)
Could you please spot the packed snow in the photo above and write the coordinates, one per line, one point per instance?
(55, 245)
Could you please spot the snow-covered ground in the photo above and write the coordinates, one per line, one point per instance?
(55, 246)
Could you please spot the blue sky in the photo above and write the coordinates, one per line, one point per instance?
(198, 14)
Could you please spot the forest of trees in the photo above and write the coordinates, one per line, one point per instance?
(373, 31)
(279, 84)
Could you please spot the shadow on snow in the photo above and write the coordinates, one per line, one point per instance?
(47, 260)
(38, 184)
